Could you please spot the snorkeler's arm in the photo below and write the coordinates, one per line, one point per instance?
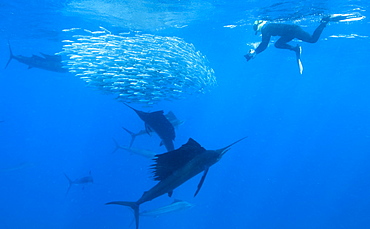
(261, 47)
(265, 42)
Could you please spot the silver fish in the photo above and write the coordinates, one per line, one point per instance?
(154, 63)
(177, 205)
(142, 152)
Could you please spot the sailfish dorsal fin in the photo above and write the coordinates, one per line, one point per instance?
(167, 163)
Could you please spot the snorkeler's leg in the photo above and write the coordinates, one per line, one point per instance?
(281, 43)
(306, 37)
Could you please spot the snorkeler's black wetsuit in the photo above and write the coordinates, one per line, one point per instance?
(287, 32)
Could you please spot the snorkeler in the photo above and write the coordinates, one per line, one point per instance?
(287, 32)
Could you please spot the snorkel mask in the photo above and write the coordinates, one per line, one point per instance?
(257, 25)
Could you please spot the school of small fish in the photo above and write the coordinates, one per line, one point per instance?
(139, 68)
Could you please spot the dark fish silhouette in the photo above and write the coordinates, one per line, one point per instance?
(81, 181)
(157, 122)
(174, 168)
(171, 118)
(46, 62)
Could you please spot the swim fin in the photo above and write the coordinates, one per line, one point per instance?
(335, 18)
(338, 17)
(300, 66)
(298, 51)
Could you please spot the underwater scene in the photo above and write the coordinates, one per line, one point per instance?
(184, 114)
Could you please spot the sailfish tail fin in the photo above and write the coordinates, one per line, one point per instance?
(10, 55)
(117, 146)
(133, 136)
(132, 205)
(70, 183)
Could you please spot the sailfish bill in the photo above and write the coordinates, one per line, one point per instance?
(174, 168)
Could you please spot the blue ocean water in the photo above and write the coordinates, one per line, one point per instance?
(305, 163)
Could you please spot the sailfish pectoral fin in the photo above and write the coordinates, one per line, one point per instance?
(201, 181)
(170, 193)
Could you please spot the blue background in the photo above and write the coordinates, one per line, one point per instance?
(305, 163)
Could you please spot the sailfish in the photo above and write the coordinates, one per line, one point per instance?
(157, 122)
(46, 62)
(171, 118)
(174, 168)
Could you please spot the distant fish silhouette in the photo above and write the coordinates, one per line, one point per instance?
(81, 181)
(171, 118)
(177, 205)
(157, 122)
(142, 152)
(20, 166)
(174, 168)
(46, 62)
